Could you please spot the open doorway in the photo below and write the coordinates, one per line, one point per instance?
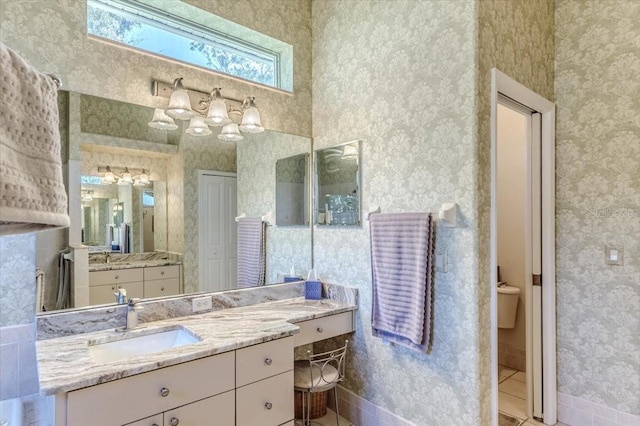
(523, 246)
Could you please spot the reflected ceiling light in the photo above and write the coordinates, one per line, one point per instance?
(349, 152)
(109, 177)
(87, 195)
(162, 121)
(230, 133)
(143, 179)
(197, 127)
(207, 110)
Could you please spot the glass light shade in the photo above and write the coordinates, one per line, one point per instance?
(197, 127)
(180, 105)
(217, 114)
(143, 179)
(162, 121)
(87, 197)
(126, 178)
(251, 120)
(230, 133)
(109, 177)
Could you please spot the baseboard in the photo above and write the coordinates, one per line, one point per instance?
(575, 411)
(361, 412)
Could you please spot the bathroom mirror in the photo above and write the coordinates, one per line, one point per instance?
(292, 190)
(337, 185)
(117, 134)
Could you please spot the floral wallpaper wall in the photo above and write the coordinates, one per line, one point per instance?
(51, 35)
(257, 156)
(403, 81)
(598, 200)
(17, 294)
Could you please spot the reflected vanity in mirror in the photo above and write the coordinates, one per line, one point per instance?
(163, 214)
(337, 185)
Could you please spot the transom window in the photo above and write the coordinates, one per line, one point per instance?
(191, 35)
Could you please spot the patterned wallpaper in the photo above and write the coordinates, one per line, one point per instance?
(374, 79)
(51, 34)
(257, 156)
(18, 295)
(598, 200)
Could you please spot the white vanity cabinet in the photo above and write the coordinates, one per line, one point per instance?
(161, 281)
(103, 284)
(147, 282)
(264, 384)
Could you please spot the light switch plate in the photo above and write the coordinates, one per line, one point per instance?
(613, 255)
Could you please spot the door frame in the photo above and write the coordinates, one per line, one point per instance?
(201, 175)
(503, 84)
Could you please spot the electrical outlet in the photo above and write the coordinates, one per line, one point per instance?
(201, 304)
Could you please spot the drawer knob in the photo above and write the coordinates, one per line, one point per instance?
(174, 421)
(319, 330)
(155, 424)
(113, 287)
(164, 392)
(161, 288)
(161, 272)
(268, 361)
(117, 276)
(268, 405)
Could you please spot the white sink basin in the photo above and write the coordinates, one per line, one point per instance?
(140, 344)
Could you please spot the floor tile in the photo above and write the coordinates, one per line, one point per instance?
(520, 376)
(513, 387)
(512, 405)
(328, 420)
(504, 373)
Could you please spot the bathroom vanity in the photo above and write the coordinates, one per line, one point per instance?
(239, 371)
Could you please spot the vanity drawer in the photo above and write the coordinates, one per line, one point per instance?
(101, 294)
(159, 288)
(156, 420)
(115, 276)
(323, 328)
(264, 360)
(268, 402)
(126, 400)
(217, 410)
(161, 272)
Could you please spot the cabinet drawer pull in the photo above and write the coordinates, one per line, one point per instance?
(161, 272)
(268, 405)
(268, 361)
(174, 421)
(164, 392)
(161, 288)
(319, 330)
(117, 276)
(155, 424)
(113, 287)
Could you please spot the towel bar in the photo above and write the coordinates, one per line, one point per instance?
(447, 215)
(267, 218)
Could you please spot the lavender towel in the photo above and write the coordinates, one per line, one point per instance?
(401, 259)
(251, 252)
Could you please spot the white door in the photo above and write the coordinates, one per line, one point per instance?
(217, 231)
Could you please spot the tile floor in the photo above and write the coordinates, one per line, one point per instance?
(512, 396)
(328, 420)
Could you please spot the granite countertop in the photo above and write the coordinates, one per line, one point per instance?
(64, 363)
(116, 265)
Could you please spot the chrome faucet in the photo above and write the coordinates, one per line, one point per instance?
(121, 296)
(132, 314)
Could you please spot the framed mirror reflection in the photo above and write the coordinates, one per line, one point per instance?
(337, 185)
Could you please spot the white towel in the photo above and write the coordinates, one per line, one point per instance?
(32, 192)
(401, 259)
(251, 252)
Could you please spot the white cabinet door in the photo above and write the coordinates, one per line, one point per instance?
(217, 236)
(215, 411)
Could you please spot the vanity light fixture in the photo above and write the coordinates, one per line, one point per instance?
(204, 110)
(87, 195)
(123, 176)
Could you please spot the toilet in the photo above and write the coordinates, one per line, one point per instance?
(507, 305)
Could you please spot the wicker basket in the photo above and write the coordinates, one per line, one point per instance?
(318, 404)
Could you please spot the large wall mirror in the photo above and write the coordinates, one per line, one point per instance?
(337, 185)
(163, 213)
